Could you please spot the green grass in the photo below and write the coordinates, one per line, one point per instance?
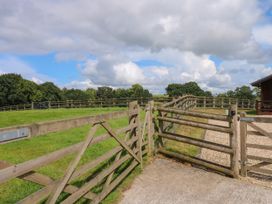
(193, 132)
(12, 118)
(24, 150)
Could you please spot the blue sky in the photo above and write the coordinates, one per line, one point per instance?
(75, 45)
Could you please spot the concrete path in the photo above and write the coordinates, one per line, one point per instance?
(166, 181)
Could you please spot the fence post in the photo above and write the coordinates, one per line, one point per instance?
(234, 141)
(213, 102)
(135, 119)
(150, 128)
(243, 139)
(205, 102)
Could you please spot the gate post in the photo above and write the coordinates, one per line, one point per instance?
(150, 127)
(234, 141)
(243, 139)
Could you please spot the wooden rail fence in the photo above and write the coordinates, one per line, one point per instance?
(260, 161)
(136, 143)
(168, 116)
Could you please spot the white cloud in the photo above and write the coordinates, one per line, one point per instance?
(179, 34)
(263, 34)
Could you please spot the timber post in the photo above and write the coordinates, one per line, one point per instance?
(150, 128)
(243, 138)
(234, 163)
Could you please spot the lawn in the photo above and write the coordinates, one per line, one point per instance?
(20, 151)
(12, 118)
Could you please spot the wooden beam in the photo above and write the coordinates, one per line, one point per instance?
(123, 144)
(195, 114)
(197, 124)
(262, 131)
(60, 186)
(197, 142)
(198, 161)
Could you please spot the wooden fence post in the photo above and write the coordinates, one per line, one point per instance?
(205, 102)
(234, 141)
(150, 128)
(243, 139)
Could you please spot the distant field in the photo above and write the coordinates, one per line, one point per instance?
(11, 118)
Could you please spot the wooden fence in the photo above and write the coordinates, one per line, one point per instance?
(203, 102)
(258, 161)
(111, 102)
(130, 152)
(220, 102)
(175, 115)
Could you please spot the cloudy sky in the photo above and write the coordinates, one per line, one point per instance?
(221, 44)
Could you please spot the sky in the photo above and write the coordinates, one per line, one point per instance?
(220, 44)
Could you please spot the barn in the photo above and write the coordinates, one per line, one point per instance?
(264, 105)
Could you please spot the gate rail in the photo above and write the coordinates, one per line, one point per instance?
(175, 116)
(257, 132)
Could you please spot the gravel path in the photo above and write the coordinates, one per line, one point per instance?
(223, 138)
(168, 182)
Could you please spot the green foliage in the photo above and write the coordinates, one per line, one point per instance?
(104, 92)
(16, 90)
(75, 94)
(243, 92)
(187, 88)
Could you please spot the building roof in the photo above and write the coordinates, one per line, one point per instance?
(262, 80)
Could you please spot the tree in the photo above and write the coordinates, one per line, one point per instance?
(121, 93)
(244, 92)
(91, 93)
(75, 94)
(137, 91)
(51, 92)
(104, 92)
(187, 88)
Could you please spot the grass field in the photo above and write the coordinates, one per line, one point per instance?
(11, 118)
(20, 151)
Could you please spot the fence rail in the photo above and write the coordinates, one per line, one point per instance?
(262, 160)
(203, 102)
(128, 154)
(111, 102)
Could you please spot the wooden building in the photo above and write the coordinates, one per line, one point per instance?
(264, 106)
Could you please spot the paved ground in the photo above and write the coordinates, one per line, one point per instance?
(166, 181)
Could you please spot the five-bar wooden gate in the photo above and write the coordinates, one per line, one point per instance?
(253, 137)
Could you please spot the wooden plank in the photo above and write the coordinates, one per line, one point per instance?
(198, 161)
(259, 119)
(60, 186)
(234, 141)
(22, 168)
(261, 164)
(116, 182)
(195, 114)
(255, 133)
(197, 142)
(124, 145)
(243, 147)
(85, 168)
(197, 124)
(262, 131)
(258, 146)
(87, 186)
(259, 170)
(259, 158)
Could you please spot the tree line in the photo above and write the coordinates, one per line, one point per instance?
(14, 89)
(243, 92)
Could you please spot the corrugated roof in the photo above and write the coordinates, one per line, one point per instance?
(262, 80)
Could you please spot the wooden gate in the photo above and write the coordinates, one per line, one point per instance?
(256, 145)
(122, 159)
(169, 116)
